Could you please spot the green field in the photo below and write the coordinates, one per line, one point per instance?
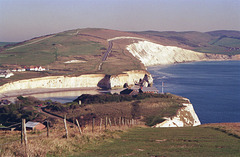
(189, 141)
(52, 51)
(48, 51)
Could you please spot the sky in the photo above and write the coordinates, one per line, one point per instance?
(24, 19)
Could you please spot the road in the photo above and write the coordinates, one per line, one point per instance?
(48, 114)
(110, 44)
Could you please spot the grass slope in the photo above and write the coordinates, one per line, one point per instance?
(52, 51)
(150, 110)
(138, 141)
(207, 140)
(190, 141)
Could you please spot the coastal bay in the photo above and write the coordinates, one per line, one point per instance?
(212, 87)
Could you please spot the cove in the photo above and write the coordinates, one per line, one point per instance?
(213, 87)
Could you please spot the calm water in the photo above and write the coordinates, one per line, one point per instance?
(212, 87)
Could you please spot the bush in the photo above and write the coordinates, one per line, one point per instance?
(153, 120)
(106, 98)
(136, 110)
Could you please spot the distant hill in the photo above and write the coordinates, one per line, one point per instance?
(227, 33)
(6, 43)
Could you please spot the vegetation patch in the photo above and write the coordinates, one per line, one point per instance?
(22, 108)
(189, 141)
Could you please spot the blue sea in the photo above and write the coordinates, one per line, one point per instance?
(212, 87)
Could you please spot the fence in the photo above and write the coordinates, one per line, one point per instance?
(93, 126)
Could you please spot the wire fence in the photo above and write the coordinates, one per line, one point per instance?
(95, 125)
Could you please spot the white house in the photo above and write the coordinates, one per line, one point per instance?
(6, 73)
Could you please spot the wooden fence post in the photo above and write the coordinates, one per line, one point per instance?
(101, 124)
(106, 123)
(115, 123)
(25, 137)
(22, 132)
(65, 124)
(119, 122)
(110, 124)
(93, 123)
(47, 128)
(79, 128)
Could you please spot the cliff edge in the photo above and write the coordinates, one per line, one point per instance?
(90, 80)
(186, 116)
(150, 53)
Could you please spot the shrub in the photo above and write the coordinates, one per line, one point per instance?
(153, 120)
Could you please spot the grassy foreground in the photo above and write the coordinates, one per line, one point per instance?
(190, 141)
(138, 141)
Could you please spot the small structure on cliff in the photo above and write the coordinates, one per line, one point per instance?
(139, 89)
(4, 102)
(34, 125)
(148, 90)
(129, 92)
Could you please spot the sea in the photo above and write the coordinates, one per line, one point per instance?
(213, 87)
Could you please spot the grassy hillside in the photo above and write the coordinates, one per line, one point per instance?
(114, 139)
(149, 108)
(52, 51)
(191, 141)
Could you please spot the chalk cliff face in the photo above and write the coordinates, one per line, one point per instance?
(91, 80)
(186, 116)
(130, 77)
(153, 54)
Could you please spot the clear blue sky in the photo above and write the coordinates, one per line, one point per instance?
(25, 19)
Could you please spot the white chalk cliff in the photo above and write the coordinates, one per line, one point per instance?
(90, 80)
(150, 53)
(186, 116)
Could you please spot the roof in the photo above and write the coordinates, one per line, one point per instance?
(135, 87)
(30, 124)
(149, 89)
(126, 91)
(129, 92)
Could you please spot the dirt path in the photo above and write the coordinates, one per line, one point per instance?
(31, 42)
(42, 110)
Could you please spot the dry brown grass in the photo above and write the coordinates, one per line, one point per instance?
(229, 128)
(57, 145)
